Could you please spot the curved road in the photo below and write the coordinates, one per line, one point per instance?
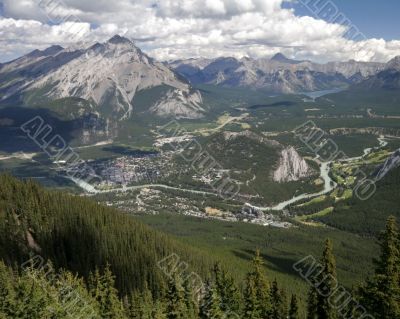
(329, 185)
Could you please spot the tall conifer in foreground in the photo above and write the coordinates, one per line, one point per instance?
(227, 290)
(251, 303)
(381, 294)
(278, 301)
(176, 305)
(328, 285)
(312, 303)
(102, 288)
(323, 286)
(294, 308)
(211, 307)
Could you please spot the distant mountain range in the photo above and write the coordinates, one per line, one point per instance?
(106, 76)
(388, 78)
(278, 74)
(106, 79)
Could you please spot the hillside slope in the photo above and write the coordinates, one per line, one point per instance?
(368, 217)
(77, 234)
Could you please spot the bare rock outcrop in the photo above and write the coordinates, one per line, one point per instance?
(292, 167)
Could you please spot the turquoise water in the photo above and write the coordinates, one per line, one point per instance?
(316, 94)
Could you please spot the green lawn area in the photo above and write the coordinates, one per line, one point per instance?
(324, 212)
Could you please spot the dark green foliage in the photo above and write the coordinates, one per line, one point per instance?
(176, 303)
(234, 243)
(52, 224)
(7, 293)
(324, 283)
(329, 283)
(44, 294)
(367, 217)
(381, 294)
(251, 303)
(257, 293)
(141, 305)
(77, 234)
(312, 304)
(261, 284)
(294, 308)
(211, 307)
(227, 290)
(278, 302)
(102, 289)
(191, 300)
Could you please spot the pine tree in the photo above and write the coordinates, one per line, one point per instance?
(211, 305)
(294, 308)
(7, 293)
(278, 303)
(102, 288)
(31, 301)
(227, 289)
(147, 303)
(323, 286)
(251, 303)
(327, 283)
(176, 306)
(141, 305)
(381, 295)
(72, 299)
(350, 309)
(256, 280)
(135, 306)
(190, 302)
(159, 310)
(312, 304)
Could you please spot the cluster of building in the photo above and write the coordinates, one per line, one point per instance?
(132, 170)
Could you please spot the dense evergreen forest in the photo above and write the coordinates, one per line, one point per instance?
(65, 256)
(77, 234)
(367, 217)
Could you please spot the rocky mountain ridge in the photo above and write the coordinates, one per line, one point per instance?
(388, 78)
(278, 74)
(107, 75)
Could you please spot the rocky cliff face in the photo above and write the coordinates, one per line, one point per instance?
(390, 164)
(292, 167)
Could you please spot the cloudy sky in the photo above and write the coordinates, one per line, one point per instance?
(319, 30)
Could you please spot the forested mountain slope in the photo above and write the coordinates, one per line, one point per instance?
(116, 259)
(368, 217)
(77, 234)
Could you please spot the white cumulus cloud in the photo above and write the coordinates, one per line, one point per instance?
(172, 29)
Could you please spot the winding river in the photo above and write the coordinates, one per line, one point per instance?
(329, 185)
(325, 169)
